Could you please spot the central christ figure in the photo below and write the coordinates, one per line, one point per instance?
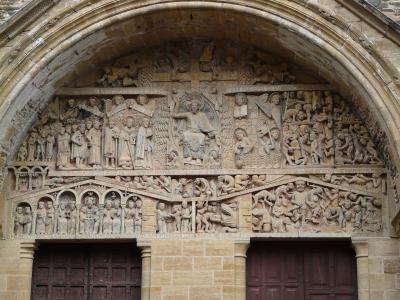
(198, 127)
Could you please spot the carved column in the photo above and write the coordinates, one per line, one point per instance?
(145, 246)
(241, 247)
(26, 254)
(361, 248)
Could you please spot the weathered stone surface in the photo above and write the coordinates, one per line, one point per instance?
(349, 173)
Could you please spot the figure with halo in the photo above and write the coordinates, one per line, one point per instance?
(198, 128)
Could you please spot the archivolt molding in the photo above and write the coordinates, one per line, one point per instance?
(64, 26)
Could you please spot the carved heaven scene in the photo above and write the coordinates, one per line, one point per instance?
(198, 137)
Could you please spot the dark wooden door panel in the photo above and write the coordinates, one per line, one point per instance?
(59, 273)
(87, 272)
(301, 271)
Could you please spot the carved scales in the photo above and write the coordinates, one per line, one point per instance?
(184, 139)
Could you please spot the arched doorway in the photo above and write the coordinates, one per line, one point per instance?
(149, 132)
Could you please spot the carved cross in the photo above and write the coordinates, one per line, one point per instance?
(196, 75)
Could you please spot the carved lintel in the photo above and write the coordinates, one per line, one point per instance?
(110, 91)
(277, 88)
(205, 172)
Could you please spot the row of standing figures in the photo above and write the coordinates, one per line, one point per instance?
(90, 218)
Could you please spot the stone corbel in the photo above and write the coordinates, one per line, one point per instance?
(27, 249)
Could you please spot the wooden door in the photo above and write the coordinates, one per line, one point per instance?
(301, 271)
(86, 272)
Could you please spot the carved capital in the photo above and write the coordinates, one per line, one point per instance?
(360, 245)
(145, 246)
(27, 249)
(241, 247)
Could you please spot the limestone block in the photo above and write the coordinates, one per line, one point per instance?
(392, 295)
(199, 293)
(376, 294)
(382, 281)
(3, 283)
(224, 277)
(375, 265)
(178, 264)
(18, 282)
(391, 265)
(156, 263)
(207, 263)
(228, 263)
(219, 248)
(192, 278)
(228, 292)
(193, 248)
(161, 278)
(387, 247)
(175, 292)
(155, 293)
(166, 248)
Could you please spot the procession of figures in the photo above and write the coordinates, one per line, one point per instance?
(184, 136)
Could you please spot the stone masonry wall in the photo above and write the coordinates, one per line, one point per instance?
(15, 270)
(192, 269)
(384, 269)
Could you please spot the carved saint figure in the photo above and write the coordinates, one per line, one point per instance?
(93, 136)
(162, 216)
(89, 215)
(62, 218)
(198, 127)
(116, 214)
(111, 140)
(50, 217)
(144, 146)
(19, 221)
(243, 146)
(27, 220)
(186, 216)
(41, 218)
(32, 146)
(23, 152)
(127, 143)
(50, 141)
(138, 216)
(78, 153)
(130, 217)
(107, 217)
(71, 217)
(63, 149)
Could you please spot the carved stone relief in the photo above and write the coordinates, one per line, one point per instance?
(302, 206)
(171, 141)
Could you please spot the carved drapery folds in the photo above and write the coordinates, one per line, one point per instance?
(170, 140)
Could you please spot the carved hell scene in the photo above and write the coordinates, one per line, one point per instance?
(199, 137)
